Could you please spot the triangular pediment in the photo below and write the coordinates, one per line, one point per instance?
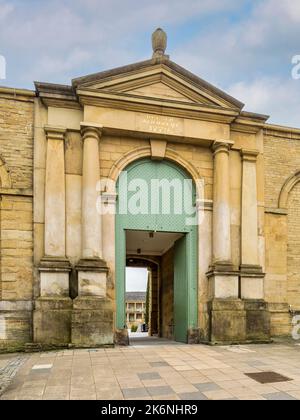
(158, 82)
(161, 91)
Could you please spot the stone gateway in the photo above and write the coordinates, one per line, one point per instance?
(233, 276)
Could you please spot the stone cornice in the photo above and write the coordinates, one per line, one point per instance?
(156, 106)
(161, 64)
(22, 95)
(248, 122)
(282, 132)
(62, 96)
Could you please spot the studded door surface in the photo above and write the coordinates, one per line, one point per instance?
(180, 291)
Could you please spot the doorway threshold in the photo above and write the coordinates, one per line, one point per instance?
(144, 340)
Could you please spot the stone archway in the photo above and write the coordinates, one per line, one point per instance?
(145, 152)
(185, 248)
(287, 188)
(152, 263)
(289, 201)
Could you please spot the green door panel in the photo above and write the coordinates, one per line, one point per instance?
(120, 276)
(180, 291)
(153, 207)
(152, 216)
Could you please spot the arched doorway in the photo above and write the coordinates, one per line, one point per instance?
(156, 210)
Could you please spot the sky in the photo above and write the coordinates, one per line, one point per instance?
(244, 47)
(136, 279)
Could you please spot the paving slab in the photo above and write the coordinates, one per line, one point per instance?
(154, 369)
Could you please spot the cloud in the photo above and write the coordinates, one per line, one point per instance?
(232, 44)
(43, 38)
(272, 96)
(5, 9)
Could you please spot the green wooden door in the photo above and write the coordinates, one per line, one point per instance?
(154, 215)
(180, 291)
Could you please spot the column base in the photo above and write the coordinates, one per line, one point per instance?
(122, 337)
(238, 321)
(223, 282)
(52, 321)
(54, 277)
(92, 322)
(227, 321)
(258, 327)
(252, 282)
(92, 277)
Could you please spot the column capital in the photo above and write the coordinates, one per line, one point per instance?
(55, 133)
(219, 146)
(91, 130)
(249, 155)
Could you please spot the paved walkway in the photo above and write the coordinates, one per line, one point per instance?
(158, 370)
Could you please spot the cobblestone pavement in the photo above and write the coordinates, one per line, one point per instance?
(9, 365)
(157, 370)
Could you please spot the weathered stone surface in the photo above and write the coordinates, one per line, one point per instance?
(121, 337)
(257, 321)
(92, 322)
(15, 328)
(228, 321)
(52, 321)
(16, 217)
(193, 336)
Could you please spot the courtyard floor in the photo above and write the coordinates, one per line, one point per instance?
(153, 369)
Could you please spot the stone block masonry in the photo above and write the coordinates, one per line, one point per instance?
(16, 217)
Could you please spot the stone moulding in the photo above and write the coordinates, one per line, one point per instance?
(54, 264)
(280, 212)
(286, 189)
(146, 151)
(92, 264)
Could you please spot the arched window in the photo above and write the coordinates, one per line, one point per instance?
(290, 200)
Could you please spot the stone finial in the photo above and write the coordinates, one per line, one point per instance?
(159, 43)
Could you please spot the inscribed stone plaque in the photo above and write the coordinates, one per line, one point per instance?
(159, 124)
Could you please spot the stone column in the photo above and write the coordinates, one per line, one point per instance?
(224, 306)
(224, 282)
(55, 267)
(55, 194)
(92, 270)
(92, 318)
(251, 273)
(249, 244)
(91, 219)
(252, 277)
(221, 209)
(53, 308)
